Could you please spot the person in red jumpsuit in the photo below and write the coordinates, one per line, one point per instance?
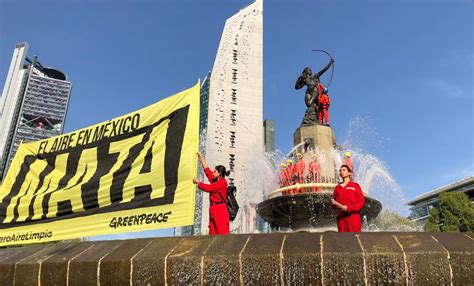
(323, 105)
(290, 172)
(315, 173)
(299, 170)
(283, 178)
(348, 200)
(217, 189)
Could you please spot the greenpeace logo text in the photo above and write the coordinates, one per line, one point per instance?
(139, 219)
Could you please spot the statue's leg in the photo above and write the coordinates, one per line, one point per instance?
(310, 116)
(312, 99)
(306, 116)
(307, 101)
(308, 98)
(314, 105)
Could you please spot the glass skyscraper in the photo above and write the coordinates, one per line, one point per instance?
(33, 105)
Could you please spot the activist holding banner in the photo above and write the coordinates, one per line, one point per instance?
(131, 173)
(219, 221)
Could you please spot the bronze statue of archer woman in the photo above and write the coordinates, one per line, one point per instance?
(311, 94)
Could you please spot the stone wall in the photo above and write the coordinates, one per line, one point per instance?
(291, 259)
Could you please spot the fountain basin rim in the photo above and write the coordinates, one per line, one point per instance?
(308, 210)
(306, 185)
(299, 186)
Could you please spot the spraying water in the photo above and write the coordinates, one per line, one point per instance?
(371, 172)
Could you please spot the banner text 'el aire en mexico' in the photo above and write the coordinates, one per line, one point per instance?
(130, 173)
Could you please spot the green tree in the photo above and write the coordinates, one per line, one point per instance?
(456, 214)
(432, 223)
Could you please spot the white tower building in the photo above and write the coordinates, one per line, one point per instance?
(234, 130)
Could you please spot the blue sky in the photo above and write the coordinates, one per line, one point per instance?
(404, 67)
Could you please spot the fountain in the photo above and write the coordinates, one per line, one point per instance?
(306, 205)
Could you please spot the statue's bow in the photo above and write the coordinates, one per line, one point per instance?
(332, 68)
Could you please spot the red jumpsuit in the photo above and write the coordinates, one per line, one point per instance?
(352, 197)
(218, 213)
(291, 176)
(315, 174)
(284, 180)
(299, 170)
(323, 104)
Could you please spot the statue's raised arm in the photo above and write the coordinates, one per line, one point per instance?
(321, 72)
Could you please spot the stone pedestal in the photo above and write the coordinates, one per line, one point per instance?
(322, 140)
(316, 135)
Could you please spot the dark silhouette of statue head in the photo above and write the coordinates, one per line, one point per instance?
(307, 71)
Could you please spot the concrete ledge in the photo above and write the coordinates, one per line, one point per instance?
(278, 259)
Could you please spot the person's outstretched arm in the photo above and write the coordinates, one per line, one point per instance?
(207, 171)
(214, 187)
(321, 72)
(202, 160)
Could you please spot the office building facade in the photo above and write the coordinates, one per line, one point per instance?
(420, 207)
(33, 105)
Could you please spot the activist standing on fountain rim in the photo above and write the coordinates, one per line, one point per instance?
(217, 189)
(348, 200)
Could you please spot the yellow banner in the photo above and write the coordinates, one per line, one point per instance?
(130, 173)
